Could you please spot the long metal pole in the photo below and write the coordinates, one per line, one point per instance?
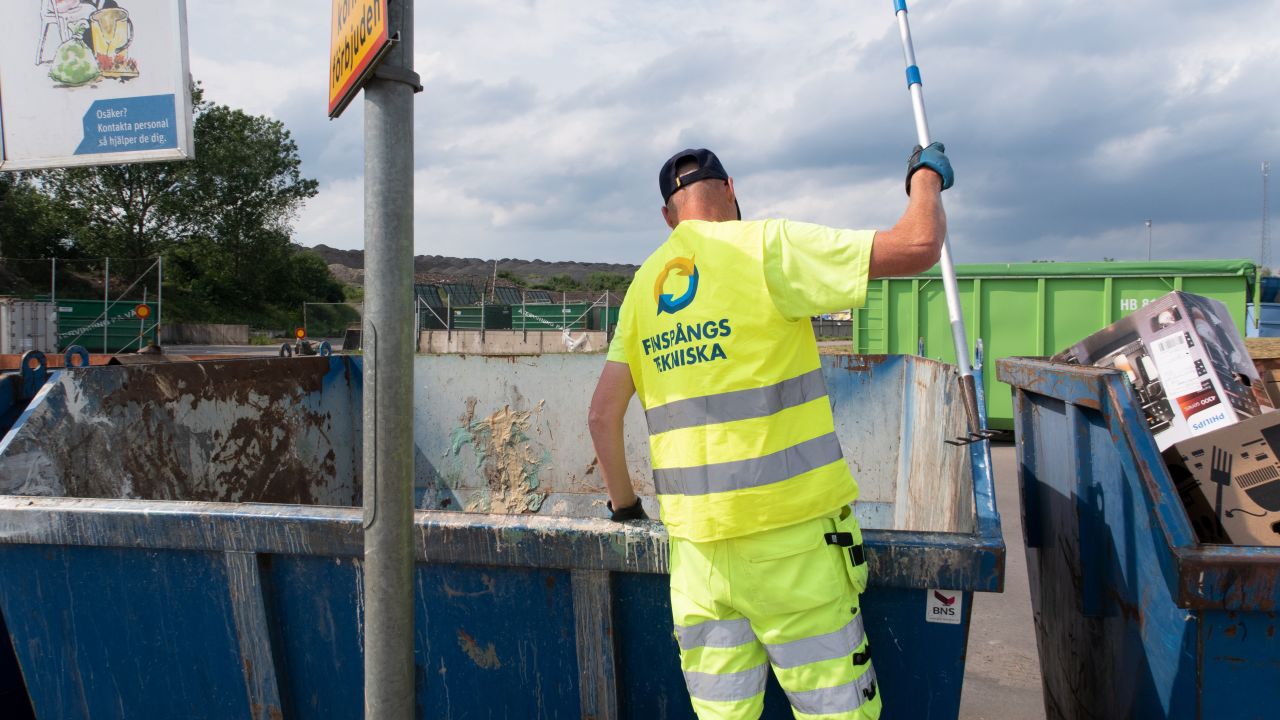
(53, 281)
(106, 297)
(159, 300)
(388, 378)
(954, 309)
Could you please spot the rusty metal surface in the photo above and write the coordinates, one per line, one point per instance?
(254, 430)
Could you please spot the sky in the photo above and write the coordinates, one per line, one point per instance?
(543, 123)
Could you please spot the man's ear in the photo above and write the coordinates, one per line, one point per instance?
(669, 217)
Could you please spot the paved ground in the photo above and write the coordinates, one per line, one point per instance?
(1002, 675)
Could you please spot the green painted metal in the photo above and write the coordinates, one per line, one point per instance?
(1033, 309)
(80, 322)
(572, 316)
(496, 317)
(596, 319)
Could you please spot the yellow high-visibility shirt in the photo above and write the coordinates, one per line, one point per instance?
(715, 329)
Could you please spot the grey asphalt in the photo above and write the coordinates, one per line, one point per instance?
(1002, 674)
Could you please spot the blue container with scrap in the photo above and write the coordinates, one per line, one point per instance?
(1135, 615)
(185, 540)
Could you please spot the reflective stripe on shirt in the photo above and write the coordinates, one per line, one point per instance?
(737, 404)
(738, 474)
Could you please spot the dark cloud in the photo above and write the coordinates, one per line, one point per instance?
(543, 123)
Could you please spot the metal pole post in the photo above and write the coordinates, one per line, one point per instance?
(106, 297)
(142, 322)
(53, 281)
(1148, 240)
(159, 300)
(388, 377)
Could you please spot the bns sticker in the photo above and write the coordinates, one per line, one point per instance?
(667, 303)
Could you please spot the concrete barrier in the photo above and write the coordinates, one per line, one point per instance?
(509, 342)
(204, 334)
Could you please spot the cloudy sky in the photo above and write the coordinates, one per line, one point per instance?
(544, 122)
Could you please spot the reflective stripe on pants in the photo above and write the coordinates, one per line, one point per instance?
(782, 598)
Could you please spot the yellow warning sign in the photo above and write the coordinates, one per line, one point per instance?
(358, 40)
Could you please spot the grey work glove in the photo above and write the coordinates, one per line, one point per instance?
(933, 157)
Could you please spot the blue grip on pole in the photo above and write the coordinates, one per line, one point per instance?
(913, 75)
(899, 6)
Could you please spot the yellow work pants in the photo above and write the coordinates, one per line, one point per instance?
(783, 598)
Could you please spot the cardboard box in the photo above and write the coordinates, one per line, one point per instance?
(1186, 361)
(1229, 481)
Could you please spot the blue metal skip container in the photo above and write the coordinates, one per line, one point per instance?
(1134, 618)
(184, 540)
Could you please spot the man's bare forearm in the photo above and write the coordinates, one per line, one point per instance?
(608, 408)
(613, 463)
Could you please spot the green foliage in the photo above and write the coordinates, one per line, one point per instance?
(30, 224)
(563, 282)
(607, 281)
(508, 275)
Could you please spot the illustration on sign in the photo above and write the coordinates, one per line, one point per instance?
(82, 79)
(93, 41)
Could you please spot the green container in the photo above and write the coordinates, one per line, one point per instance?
(80, 322)
(496, 317)
(596, 319)
(550, 317)
(1032, 309)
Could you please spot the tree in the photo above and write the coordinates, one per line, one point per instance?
(508, 275)
(563, 282)
(30, 225)
(243, 193)
(123, 211)
(607, 281)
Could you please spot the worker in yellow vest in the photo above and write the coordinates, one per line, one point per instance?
(766, 557)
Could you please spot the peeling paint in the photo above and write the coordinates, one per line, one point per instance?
(505, 455)
(486, 658)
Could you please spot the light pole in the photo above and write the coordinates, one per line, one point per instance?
(1148, 239)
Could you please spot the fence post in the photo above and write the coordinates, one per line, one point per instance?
(106, 296)
(53, 282)
(159, 299)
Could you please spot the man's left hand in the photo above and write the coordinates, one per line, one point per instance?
(635, 512)
(934, 158)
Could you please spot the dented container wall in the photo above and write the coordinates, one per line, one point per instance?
(509, 434)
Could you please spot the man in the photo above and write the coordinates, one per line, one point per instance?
(714, 334)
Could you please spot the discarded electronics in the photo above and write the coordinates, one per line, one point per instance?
(1229, 481)
(1187, 364)
(1207, 409)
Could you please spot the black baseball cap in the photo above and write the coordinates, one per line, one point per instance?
(709, 168)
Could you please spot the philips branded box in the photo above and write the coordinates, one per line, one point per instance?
(1229, 481)
(1187, 364)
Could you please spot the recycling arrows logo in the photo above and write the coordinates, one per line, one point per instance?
(668, 303)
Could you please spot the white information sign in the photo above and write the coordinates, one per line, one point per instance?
(93, 82)
(944, 606)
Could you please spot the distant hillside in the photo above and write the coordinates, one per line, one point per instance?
(348, 266)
